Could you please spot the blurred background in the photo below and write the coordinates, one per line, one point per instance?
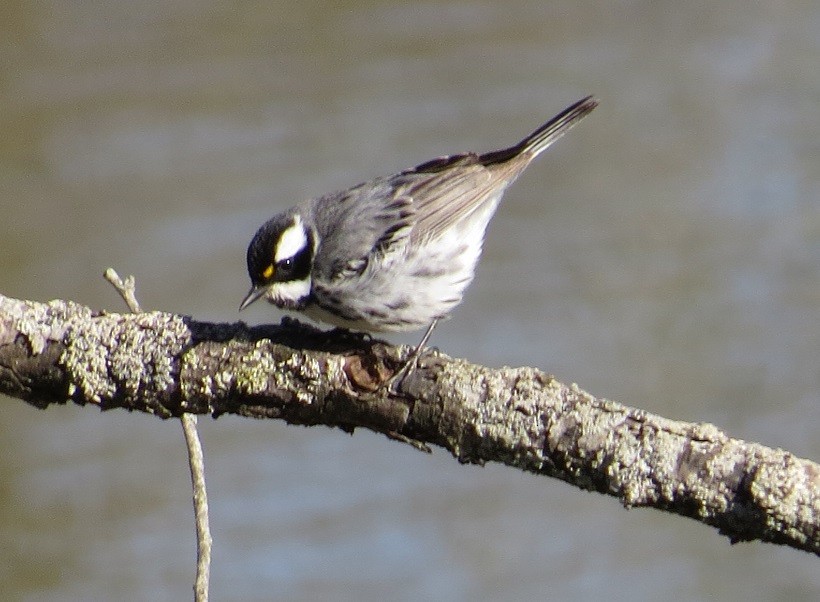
(665, 254)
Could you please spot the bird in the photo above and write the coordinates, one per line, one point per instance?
(394, 253)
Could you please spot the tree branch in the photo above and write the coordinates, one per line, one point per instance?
(168, 365)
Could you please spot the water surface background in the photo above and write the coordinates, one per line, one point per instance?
(665, 254)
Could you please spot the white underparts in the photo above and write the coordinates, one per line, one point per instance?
(410, 286)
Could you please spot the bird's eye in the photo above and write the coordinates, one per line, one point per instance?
(285, 268)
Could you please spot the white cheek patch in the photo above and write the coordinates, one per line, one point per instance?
(292, 241)
(286, 294)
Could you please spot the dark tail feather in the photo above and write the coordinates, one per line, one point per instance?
(543, 137)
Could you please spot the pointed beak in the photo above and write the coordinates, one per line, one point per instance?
(253, 295)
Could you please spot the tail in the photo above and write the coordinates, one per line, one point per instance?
(542, 138)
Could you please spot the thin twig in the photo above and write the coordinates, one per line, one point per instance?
(196, 462)
(127, 289)
(203, 532)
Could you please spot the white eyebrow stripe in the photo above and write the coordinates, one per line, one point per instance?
(292, 241)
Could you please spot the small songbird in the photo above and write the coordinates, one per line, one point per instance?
(395, 253)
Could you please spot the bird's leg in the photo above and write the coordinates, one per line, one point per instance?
(412, 361)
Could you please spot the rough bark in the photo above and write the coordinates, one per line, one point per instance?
(168, 365)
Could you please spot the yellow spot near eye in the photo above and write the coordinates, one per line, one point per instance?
(268, 272)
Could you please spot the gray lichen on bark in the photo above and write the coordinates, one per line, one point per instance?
(167, 365)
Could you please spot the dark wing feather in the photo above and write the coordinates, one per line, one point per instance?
(448, 190)
(356, 223)
(414, 205)
(421, 203)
